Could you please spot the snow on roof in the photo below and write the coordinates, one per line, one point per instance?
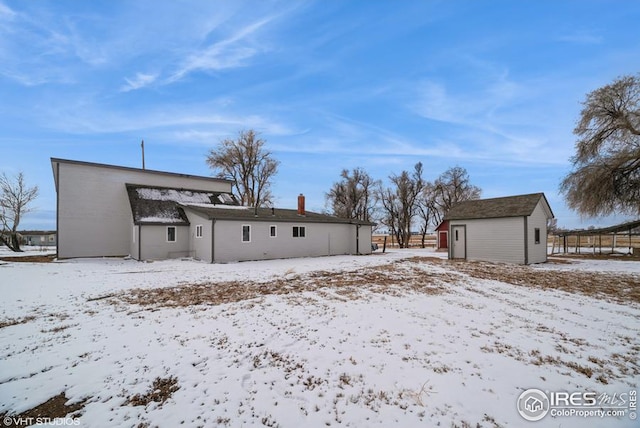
(163, 205)
(160, 219)
(175, 195)
(225, 207)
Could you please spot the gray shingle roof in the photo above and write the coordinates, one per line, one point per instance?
(163, 205)
(510, 206)
(269, 214)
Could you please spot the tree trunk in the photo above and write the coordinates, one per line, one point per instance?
(13, 243)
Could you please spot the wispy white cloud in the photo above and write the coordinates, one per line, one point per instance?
(37, 47)
(585, 37)
(495, 117)
(139, 81)
(231, 52)
(179, 123)
(6, 12)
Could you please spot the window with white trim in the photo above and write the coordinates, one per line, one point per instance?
(246, 233)
(537, 235)
(198, 231)
(273, 231)
(171, 234)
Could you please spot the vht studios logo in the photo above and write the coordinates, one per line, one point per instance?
(534, 404)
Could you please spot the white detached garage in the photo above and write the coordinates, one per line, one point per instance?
(511, 229)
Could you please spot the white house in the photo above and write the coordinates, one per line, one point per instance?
(106, 210)
(39, 238)
(512, 229)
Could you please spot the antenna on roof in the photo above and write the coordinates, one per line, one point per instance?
(142, 146)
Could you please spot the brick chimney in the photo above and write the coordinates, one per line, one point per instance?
(301, 204)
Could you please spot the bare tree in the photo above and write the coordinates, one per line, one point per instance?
(15, 198)
(425, 211)
(246, 162)
(353, 196)
(606, 167)
(450, 187)
(399, 203)
(390, 210)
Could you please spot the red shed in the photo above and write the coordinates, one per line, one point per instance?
(442, 235)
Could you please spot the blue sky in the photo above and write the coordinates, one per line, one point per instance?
(493, 86)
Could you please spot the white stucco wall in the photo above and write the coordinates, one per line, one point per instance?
(94, 215)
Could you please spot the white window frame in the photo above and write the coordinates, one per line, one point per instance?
(175, 233)
(199, 231)
(275, 231)
(242, 233)
(304, 233)
(537, 231)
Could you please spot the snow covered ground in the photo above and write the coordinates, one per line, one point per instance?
(398, 339)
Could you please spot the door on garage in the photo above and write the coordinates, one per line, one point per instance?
(459, 242)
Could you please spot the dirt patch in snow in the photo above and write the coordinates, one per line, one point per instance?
(395, 279)
(30, 259)
(618, 287)
(626, 257)
(54, 408)
(16, 321)
(160, 391)
(429, 275)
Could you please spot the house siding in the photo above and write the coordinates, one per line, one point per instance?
(200, 248)
(537, 253)
(494, 239)
(156, 247)
(39, 240)
(321, 239)
(94, 214)
(135, 242)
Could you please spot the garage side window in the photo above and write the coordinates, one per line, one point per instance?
(537, 235)
(246, 233)
(199, 231)
(299, 231)
(171, 234)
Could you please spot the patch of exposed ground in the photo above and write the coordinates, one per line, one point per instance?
(618, 287)
(160, 391)
(395, 278)
(601, 370)
(604, 256)
(417, 274)
(54, 408)
(30, 259)
(16, 321)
